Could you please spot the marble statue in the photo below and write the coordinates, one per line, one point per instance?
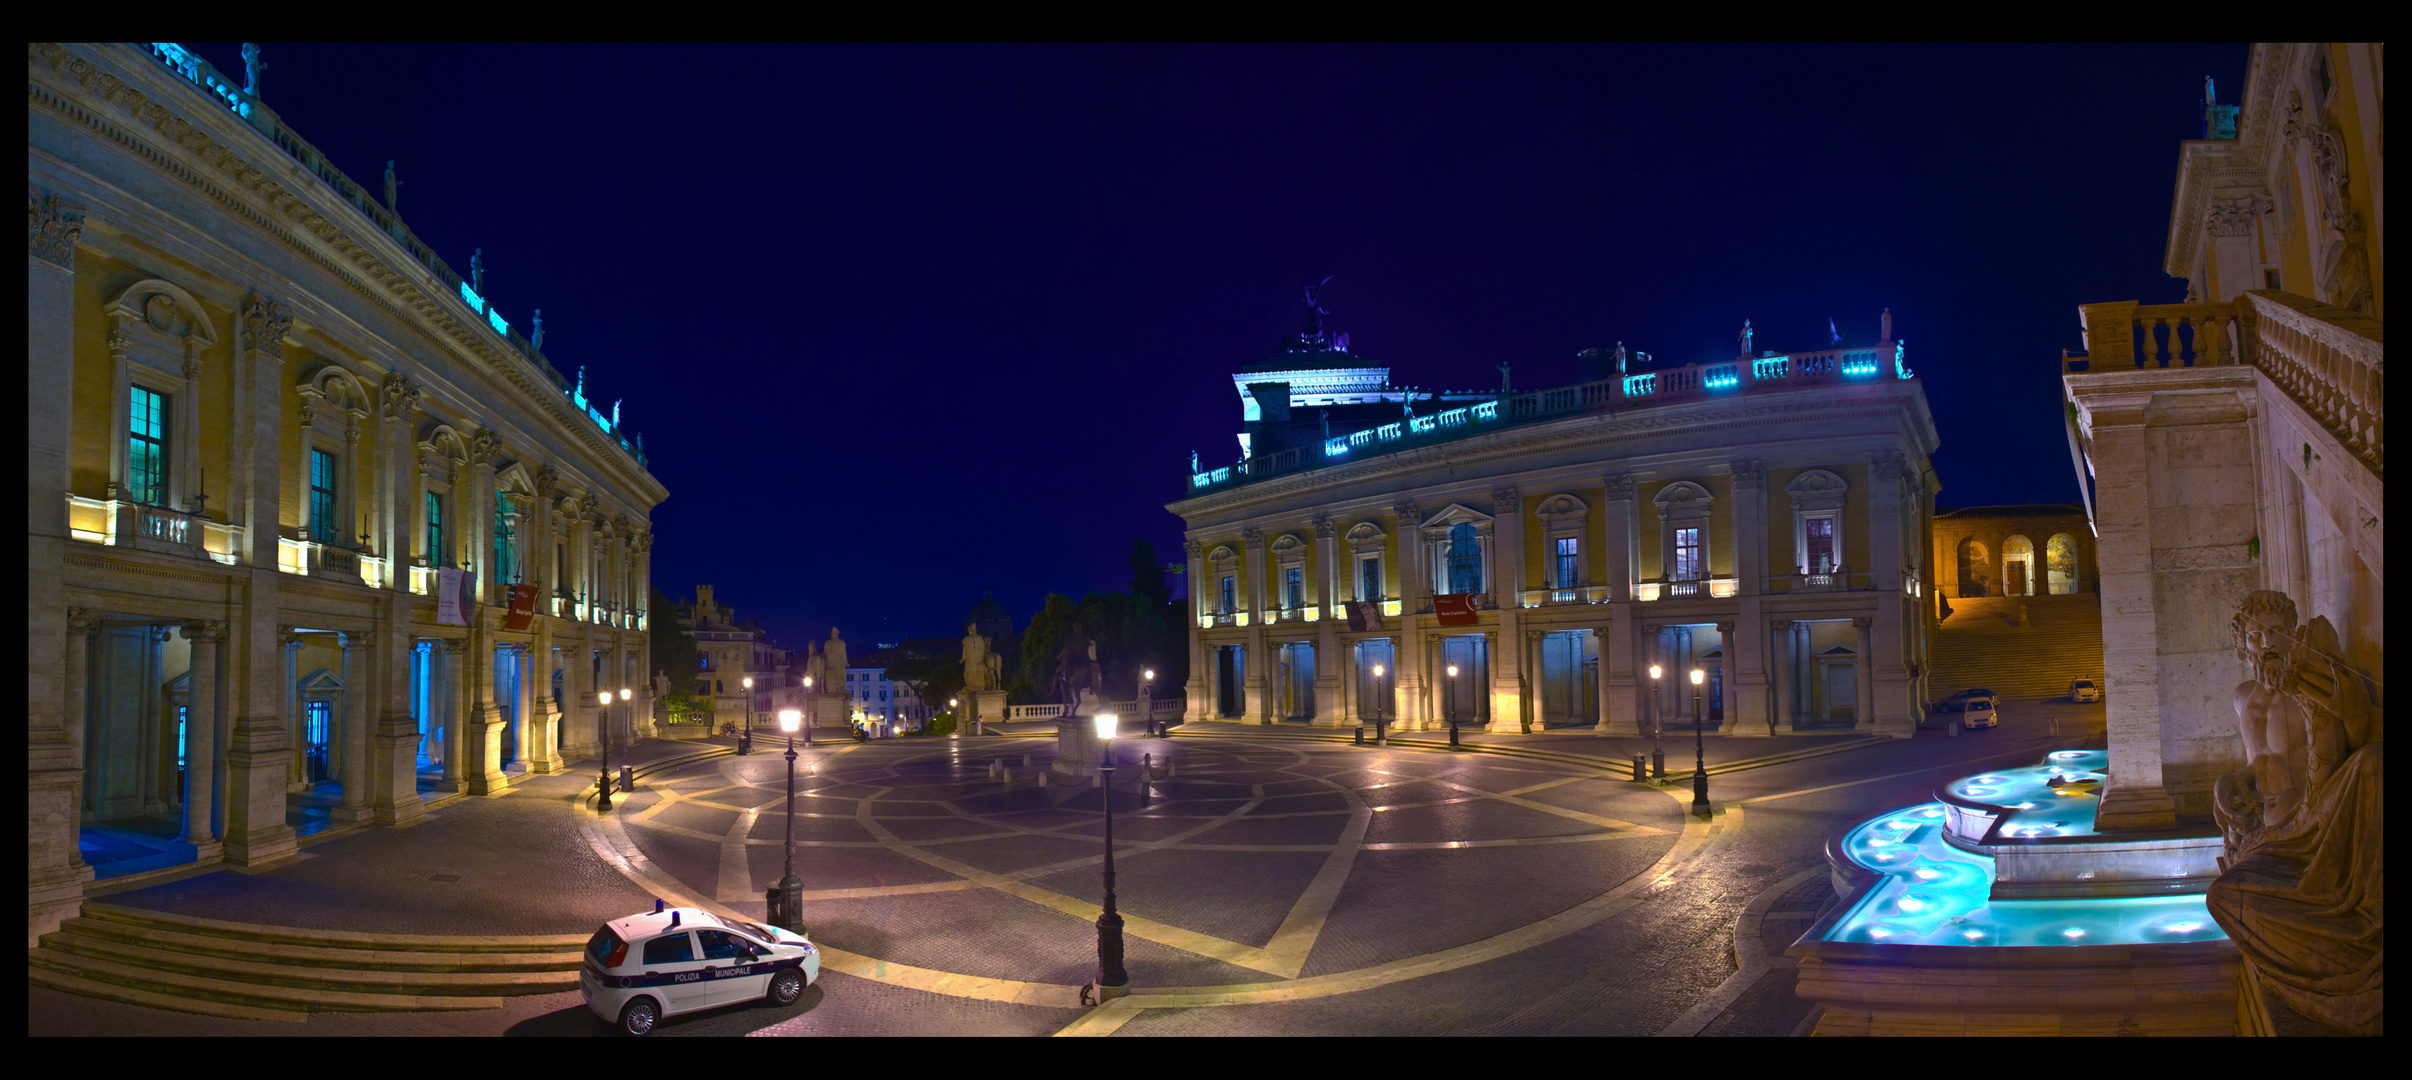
(661, 686)
(996, 672)
(2303, 886)
(1886, 333)
(816, 669)
(1746, 337)
(252, 67)
(1620, 358)
(393, 190)
(536, 338)
(975, 659)
(477, 282)
(1076, 668)
(833, 656)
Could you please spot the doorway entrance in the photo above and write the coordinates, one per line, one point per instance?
(1375, 697)
(1231, 669)
(1298, 681)
(1465, 699)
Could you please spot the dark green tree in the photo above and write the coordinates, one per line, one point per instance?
(674, 653)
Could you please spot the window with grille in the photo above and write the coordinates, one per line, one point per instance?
(1818, 535)
(1369, 584)
(1570, 560)
(1230, 597)
(1293, 586)
(1687, 554)
(146, 447)
(322, 496)
(1465, 559)
(436, 555)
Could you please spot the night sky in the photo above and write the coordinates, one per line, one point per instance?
(903, 324)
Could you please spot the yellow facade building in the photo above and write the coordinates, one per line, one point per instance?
(1520, 560)
(287, 474)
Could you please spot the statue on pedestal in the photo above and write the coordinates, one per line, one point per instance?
(1076, 669)
(833, 656)
(2303, 886)
(975, 659)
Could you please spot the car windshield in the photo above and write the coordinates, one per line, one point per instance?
(602, 945)
(759, 933)
(2085, 684)
(1981, 703)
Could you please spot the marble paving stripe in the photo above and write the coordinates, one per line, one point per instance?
(1521, 841)
(1296, 937)
(736, 871)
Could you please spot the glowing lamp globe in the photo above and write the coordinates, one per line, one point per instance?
(1654, 671)
(1452, 671)
(1107, 725)
(1697, 676)
(790, 720)
(1377, 671)
(749, 682)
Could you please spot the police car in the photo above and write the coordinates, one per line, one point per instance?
(642, 968)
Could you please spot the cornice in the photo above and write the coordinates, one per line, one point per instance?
(205, 157)
(1574, 431)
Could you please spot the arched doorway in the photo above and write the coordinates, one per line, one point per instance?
(1976, 567)
(2060, 564)
(2018, 567)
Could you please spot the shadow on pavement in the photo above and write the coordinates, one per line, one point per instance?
(578, 1022)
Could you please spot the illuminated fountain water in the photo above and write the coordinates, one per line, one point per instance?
(1997, 908)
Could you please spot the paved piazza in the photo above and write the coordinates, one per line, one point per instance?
(1273, 885)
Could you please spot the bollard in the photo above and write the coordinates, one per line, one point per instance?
(1955, 729)
(1452, 736)
(1641, 768)
(1360, 734)
(1658, 764)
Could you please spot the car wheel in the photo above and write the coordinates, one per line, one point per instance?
(639, 1017)
(786, 987)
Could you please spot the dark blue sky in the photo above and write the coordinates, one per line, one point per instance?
(903, 324)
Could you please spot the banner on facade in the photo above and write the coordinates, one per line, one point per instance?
(1364, 615)
(452, 596)
(523, 608)
(1454, 609)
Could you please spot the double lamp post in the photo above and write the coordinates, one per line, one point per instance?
(1700, 799)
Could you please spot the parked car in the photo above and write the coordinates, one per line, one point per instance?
(642, 968)
(2084, 690)
(1978, 712)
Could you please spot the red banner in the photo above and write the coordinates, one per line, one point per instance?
(523, 608)
(1454, 609)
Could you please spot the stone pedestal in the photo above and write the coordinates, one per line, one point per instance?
(257, 758)
(1077, 751)
(482, 773)
(542, 758)
(988, 707)
(828, 716)
(395, 800)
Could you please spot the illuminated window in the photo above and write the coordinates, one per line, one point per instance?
(322, 496)
(1293, 586)
(146, 447)
(1687, 554)
(1570, 559)
(1230, 595)
(1465, 559)
(1817, 535)
(435, 531)
(1369, 578)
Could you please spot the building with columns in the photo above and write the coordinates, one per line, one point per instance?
(308, 522)
(730, 652)
(1521, 559)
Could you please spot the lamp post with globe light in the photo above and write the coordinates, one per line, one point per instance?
(1658, 754)
(790, 915)
(1452, 710)
(1700, 800)
(745, 742)
(1112, 980)
(1147, 699)
(1380, 700)
(808, 704)
(603, 773)
(627, 735)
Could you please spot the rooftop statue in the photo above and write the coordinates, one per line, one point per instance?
(536, 339)
(393, 189)
(253, 65)
(1746, 337)
(1311, 336)
(477, 279)
(2303, 889)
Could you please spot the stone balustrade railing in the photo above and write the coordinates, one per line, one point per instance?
(1128, 710)
(2330, 361)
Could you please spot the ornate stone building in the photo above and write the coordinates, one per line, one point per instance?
(1765, 518)
(731, 652)
(2237, 441)
(287, 474)
(2040, 550)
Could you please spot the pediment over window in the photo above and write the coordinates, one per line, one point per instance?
(1562, 506)
(338, 388)
(1287, 542)
(442, 438)
(1222, 553)
(1453, 514)
(515, 479)
(164, 309)
(1365, 532)
(1816, 489)
(1840, 650)
(323, 680)
(1681, 499)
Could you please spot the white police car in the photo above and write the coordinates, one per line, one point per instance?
(642, 968)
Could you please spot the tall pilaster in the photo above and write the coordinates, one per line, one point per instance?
(393, 778)
(1198, 690)
(1412, 699)
(1510, 699)
(201, 738)
(449, 695)
(289, 645)
(1328, 693)
(1864, 668)
(1888, 480)
(1746, 684)
(81, 626)
(359, 700)
(54, 883)
(1263, 704)
(1785, 717)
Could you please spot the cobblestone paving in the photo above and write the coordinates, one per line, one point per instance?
(1260, 860)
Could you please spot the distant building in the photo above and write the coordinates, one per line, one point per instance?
(2038, 550)
(731, 652)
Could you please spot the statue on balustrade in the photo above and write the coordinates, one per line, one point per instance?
(2302, 890)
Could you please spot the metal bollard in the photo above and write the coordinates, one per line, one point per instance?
(1641, 768)
(1452, 736)
(1360, 734)
(1658, 764)
(1955, 729)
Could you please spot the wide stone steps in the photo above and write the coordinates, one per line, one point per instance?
(1984, 644)
(255, 972)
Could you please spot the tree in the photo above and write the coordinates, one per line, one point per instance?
(674, 652)
(931, 678)
(1135, 631)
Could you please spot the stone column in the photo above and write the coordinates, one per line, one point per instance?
(1408, 689)
(1746, 691)
(201, 739)
(257, 758)
(1510, 689)
(289, 644)
(1260, 694)
(1618, 712)
(1740, 718)
(1864, 669)
(1328, 668)
(580, 732)
(445, 693)
(475, 509)
(81, 626)
(1198, 691)
(358, 698)
(1888, 477)
(1785, 717)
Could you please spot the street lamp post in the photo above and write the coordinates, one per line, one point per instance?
(1112, 980)
(1380, 699)
(1658, 754)
(603, 775)
(1700, 802)
(627, 735)
(1147, 699)
(790, 915)
(745, 742)
(808, 705)
(1452, 707)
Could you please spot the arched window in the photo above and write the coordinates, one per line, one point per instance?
(1976, 567)
(1465, 559)
(2060, 563)
(2018, 567)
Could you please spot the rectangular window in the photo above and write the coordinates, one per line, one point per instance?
(435, 531)
(1293, 586)
(1230, 594)
(322, 496)
(1687, 554)
(1569, 562)
(146, 447)
(1819, 532)
(1369, 578)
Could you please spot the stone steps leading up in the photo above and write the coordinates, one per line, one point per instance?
(247, 971)
(1983, 644)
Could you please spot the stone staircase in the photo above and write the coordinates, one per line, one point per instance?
(1984, 644)
(248, 972)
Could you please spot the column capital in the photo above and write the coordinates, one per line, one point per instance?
(265, 323)
(288, 636)
(454, 646)
(1748, 475)
(53, 230)
(1253, 537)
(1620, 487)
(1324, 529)
(1863, 622)
(360, 639)
(1411, 516)
(82, 621)
(1780, 624)
(1725, 628)
(1195, 549)
(400, 397)
(209, 630)
(1506, 496)
(1653, 628)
